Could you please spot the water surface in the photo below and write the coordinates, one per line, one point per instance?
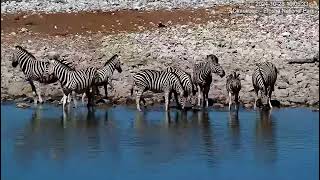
(121, 143)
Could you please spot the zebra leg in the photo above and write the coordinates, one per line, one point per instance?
(74, 98)
(269, 98)
(83, 96)
(34, 92)
(95, 89)
(230, 102)
(69, 98)
(38, 92)
(90, 98)
(203, 98)
(138, 97)
(64, 100)
(199, 96)
(105, 91)
(256, 91)
(166, 100)
(236, 101)
(206, 95)
(176, 99)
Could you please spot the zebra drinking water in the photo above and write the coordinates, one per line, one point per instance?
(73, 81)
(233, 86)
(186, 81)
(104, 74)
(264, 78)
(34, 71)
(202, 76)
(157, 81)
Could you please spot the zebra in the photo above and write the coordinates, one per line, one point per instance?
(73, 81)
(186, 81)
(33, 70)
(264, 78)
(202, 76)
(233, 86)
(157, 81)
(104, 74)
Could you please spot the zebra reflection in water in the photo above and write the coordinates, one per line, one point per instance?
(266, 147)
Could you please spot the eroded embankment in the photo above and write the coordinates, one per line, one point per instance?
(238, 40)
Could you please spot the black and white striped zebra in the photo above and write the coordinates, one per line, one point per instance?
(33, 69)
(73, 81)
(202, 76)
(186, 81)
(233, 86)
(104, 74)
(157, 81)
(264, 78)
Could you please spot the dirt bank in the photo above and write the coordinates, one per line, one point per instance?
(238, 40)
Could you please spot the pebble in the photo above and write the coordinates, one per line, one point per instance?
(22, 105)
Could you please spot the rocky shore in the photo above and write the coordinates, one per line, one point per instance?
(239, 41)
(106, 5)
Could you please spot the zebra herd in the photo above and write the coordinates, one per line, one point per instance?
(172, 80)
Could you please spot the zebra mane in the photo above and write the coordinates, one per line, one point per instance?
(25, 51)
(63, 62)
(111, 59)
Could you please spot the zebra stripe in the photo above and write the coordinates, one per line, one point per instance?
(233, 86)
(33, 70)
(157, 81)
(264, 78)
(75, 81)
(202, 76)
(104, 74)
(185, 79)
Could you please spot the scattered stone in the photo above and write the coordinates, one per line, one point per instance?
(248, 106)
(217, 105)
(23, 30)
(160, 25)
(22, 105)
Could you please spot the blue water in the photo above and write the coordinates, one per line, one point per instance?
(120, 143)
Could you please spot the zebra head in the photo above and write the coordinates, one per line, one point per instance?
(214, 65)
(233, 75)
(18, 54)
(115, 62)
(14, 60)
(51, 64)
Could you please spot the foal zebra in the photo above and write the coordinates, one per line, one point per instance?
(233, 86)
(202, 76)
(186, 81)
(157, 81)
(104, 74)
(33, 70)
(264, 78)
(72, 81)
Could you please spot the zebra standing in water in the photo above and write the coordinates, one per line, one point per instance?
(73, 81)
(264, 78)
(157, 81)
(233, 86)
(33, 70)
(202, 76)
(104, 74)
(186, 81)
